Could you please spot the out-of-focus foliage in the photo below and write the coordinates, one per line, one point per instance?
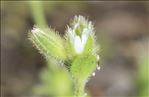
(55, 81)
(37, 10)
(143, 76)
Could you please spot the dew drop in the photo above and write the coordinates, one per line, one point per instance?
(85, 94)
(98, 57)
(98, 67)
(93, 74)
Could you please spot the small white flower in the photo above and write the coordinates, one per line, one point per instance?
(79, 41)
(79, 33)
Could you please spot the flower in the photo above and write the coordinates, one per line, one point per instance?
(79, 33)
(79, 41)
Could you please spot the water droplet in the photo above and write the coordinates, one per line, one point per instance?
(93, 74)
(98, 67)
(85, 94)
(98, 57)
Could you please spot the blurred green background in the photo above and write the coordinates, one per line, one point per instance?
(122, 29)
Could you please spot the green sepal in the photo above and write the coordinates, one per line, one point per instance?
(88, 46)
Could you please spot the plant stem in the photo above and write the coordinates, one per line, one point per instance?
(38, 13)
(79, 88)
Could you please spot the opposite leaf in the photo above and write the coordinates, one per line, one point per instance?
(83, 66)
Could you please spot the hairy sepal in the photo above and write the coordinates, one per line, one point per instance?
(48, 43)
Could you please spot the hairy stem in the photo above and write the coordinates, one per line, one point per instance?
(79, 88)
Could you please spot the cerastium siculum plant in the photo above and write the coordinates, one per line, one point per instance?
(76, 50)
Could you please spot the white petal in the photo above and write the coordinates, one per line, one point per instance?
(71, 34)
(86, 31)
(84, 39)
(78, 45)
(76, 25)
(35, 30)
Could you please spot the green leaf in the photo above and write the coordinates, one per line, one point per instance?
(83, 66)
(54, 82)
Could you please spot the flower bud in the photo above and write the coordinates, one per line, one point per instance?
(48, 43)
(80, 36)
